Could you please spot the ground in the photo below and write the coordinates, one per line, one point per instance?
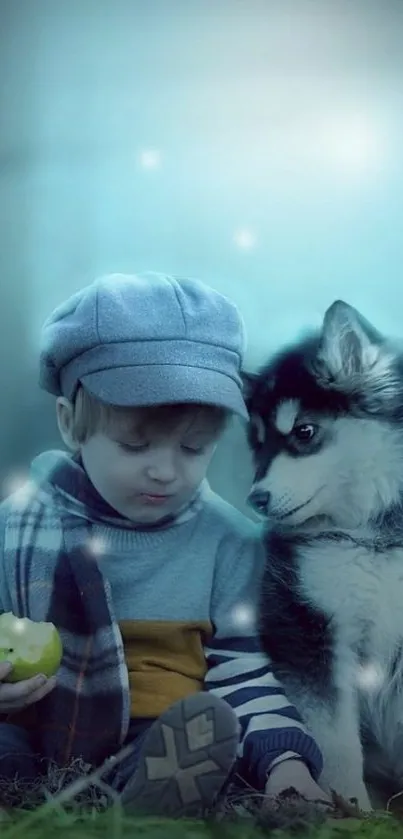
(114, 826)
(78, 813)
(75, 803)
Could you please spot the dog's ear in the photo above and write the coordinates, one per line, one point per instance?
(349, 344)
(248, 382)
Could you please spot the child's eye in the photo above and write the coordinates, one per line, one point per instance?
(142, 447)
(192, 450)
(130, 447)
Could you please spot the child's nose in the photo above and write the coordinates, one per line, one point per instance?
(162, 467)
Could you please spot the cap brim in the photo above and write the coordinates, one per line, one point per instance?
(157, 385)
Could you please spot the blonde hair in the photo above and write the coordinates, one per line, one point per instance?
(91, 415)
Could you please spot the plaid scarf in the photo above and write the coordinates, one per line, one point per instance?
(52, 575)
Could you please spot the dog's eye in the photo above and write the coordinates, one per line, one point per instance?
(304, 432)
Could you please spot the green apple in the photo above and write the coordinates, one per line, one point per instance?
(31, 647)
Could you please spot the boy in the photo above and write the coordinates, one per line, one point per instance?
(150, 577)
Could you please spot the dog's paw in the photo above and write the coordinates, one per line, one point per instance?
(349, 790)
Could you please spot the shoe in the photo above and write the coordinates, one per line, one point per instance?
(186, 759)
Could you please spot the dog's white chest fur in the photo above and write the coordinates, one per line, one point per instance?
(362, 591)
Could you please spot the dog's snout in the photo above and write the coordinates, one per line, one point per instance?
(260, 500)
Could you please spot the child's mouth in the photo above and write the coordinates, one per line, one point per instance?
(154, 499)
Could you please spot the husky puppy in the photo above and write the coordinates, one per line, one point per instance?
(326, 432)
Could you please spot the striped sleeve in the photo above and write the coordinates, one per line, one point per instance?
(240, 673)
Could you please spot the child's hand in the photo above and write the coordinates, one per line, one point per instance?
(295, 773)
(18, 695)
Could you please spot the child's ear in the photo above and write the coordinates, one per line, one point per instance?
(65, 421)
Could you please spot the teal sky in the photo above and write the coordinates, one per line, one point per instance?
(256, 145)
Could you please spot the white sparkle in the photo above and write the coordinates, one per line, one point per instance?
(352, 142)
(150, 158)
(96, 545)
(243, 615)
(20, 486)
(245, 239)
(370, 676)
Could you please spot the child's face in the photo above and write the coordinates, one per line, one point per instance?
(148, 479)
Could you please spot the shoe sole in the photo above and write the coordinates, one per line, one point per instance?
(186, 759)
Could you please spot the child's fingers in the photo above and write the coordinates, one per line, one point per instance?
(14, 696)
(5, 669)
(42, 691)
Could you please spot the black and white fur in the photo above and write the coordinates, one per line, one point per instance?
(326, 431)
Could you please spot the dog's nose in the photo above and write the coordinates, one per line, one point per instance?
(260, 500)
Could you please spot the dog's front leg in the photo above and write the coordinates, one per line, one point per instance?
(335, 727)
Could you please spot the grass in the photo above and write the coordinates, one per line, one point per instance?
(76, 804)
(115, 825)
